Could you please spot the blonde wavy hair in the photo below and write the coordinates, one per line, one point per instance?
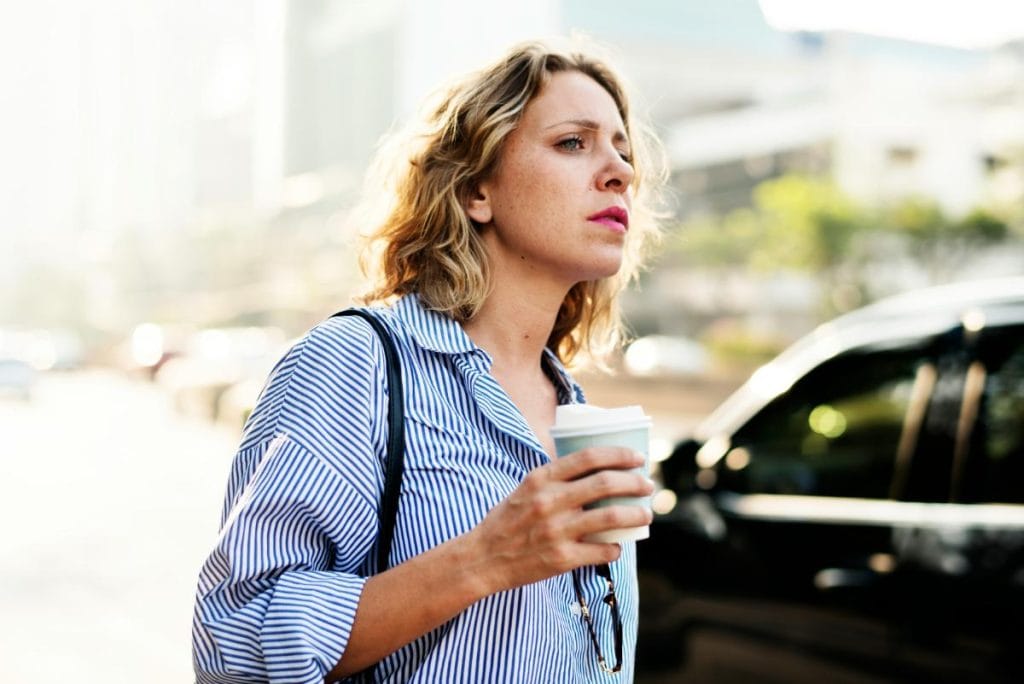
(420, 239)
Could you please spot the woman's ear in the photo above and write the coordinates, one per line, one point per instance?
(478, 205)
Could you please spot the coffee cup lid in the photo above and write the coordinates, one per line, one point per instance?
(586, 419)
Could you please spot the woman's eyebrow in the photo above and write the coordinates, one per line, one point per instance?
(591, 125)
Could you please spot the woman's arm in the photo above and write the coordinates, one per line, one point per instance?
(278, 595)
(532, 535)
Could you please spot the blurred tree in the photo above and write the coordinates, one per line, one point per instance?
(807, 224)
(796, 223)
(982, 226)
(940, 244)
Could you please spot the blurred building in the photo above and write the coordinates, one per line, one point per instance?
(99, 135)
(133, 123)
(736, 100)
(743, 102)
(164, 111)
(354, 70)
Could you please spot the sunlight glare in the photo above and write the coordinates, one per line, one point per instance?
(953, 23)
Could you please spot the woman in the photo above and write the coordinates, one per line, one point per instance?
(511, 229)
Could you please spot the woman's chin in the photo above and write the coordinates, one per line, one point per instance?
(606, 268)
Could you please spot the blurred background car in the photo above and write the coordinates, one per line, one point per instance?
(855, 511)
(44, 349)
(150, 346)
(218, 372)
(17, 378)
(665, 355)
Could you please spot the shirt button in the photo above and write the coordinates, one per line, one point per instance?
(575, 609)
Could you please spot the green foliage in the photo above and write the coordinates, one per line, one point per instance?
(796, 223)
(718, 242)
(808, 223)
(805, 224)
(922, 222)
(982, 227)
(939, 243)
(734, 345)
(916, 218)
(801, 223)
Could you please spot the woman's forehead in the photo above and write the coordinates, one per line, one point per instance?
(575, 98)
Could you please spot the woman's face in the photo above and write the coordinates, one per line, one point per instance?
(558, 205)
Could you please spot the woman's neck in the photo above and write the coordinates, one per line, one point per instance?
(513, 326)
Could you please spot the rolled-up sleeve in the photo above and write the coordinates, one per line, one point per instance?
(270, 605)
(278, 595)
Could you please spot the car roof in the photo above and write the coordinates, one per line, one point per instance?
(902, 317)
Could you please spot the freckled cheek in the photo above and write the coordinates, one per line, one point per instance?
(539, 190)
(531, 199)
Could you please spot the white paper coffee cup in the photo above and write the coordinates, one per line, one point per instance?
(578, 426)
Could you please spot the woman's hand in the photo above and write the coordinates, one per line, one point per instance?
(537, 531)
(533, 534)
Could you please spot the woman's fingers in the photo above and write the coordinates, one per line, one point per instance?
(588, 460)
(571, 481)
(538, 530)
(580, 554)
(559, 542)
(602, 485)
(608, 518)
(587, 475)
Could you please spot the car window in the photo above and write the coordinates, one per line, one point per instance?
(925, 470)
(834, 433)
(995, 469)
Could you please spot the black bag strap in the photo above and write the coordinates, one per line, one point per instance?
(396, 437)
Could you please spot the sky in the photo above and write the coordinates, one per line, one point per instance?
(966, 24)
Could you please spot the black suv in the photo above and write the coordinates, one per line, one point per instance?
(855, 511)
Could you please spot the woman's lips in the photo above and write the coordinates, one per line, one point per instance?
(615, 218)
(610, 223)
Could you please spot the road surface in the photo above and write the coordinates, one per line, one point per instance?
(109, 503)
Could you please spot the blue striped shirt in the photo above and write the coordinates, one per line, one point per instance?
(278, 595)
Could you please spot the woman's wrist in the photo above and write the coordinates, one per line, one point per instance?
(472, 572)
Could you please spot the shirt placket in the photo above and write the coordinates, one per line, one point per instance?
(496, 405)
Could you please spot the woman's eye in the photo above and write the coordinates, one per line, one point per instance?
(572, 144)
(626, 157)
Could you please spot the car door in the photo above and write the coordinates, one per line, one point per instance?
(804, 492)
(805, 486)
(963, 568)
(852, 517)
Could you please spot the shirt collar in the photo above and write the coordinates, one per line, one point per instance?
(568, 391)
(432, 330)
(438, 332)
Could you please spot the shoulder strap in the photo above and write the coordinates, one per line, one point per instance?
(396, 437)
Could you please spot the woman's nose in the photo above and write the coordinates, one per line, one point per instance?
(617, 174)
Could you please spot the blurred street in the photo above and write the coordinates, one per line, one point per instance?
(187, 191)
(110, 502)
